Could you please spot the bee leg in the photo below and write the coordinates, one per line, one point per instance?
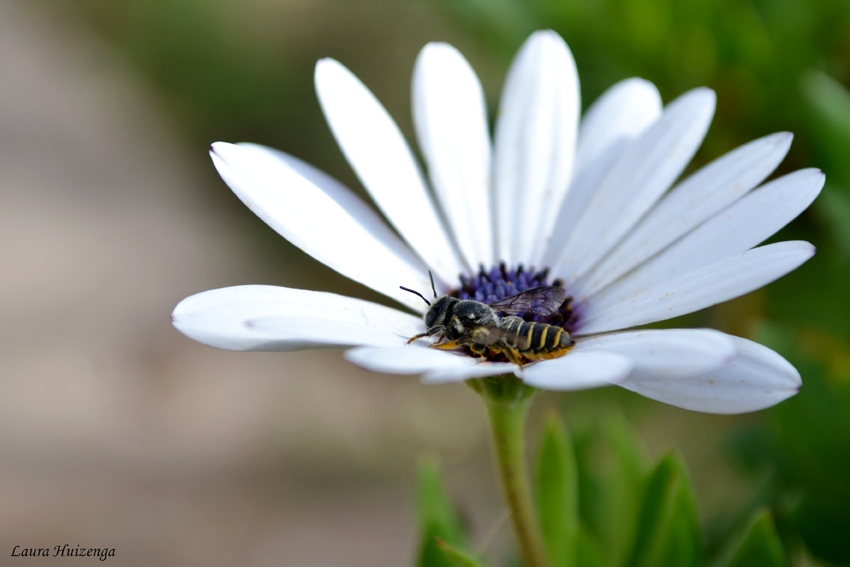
(549, 355)
(430, 332)
(414, 337)
(446, 346)
(513, 355)
(478, 350)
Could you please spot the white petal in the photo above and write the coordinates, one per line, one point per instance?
(379, 155)
(699, 197)
(669, 353)
(622, 113)
(438, 366)
(260, 317)
(480, 370)
(407, 359)
(302, 203)
(450, 116)
(584, 185)
(535, 143)
(578, 371)
(638, 179)
(756, 379)
(625, 110)
(739, 227)
(713, 284)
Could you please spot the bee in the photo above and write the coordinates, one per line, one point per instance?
(497, 328)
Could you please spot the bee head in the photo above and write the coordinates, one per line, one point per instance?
(437, 314)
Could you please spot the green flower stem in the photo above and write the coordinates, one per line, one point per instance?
(507, 400)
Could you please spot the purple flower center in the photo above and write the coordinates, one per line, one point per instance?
(500, 282)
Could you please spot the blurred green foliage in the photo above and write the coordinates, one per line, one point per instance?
(648, 515)
(776, 65)
(752, 53)
(442, 539)
(802, 450)
(759, 545)
(557, 495)
(214, 78)
(236, 71)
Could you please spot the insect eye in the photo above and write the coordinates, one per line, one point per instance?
(430, 317)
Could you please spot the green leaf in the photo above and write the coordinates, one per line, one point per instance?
(437, 519)
(830, 103)
(834, 208)
(629, 468)
(758, 545)
(430, 554)
(830, 98)
(557, 494)
(667, 530)
(613, 468)
(589, 552)
(456, 557)
(502, 24)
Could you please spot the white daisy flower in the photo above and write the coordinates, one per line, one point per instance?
(592, 204)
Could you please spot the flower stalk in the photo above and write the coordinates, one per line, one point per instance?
(507, 400)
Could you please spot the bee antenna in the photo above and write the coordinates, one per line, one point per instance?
(416, 293)
(434, 289)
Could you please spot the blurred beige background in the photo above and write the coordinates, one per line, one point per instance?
(117, 431)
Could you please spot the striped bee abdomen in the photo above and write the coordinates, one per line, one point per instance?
(536, 341)
(497, 330)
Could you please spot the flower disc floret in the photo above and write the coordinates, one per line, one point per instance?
(501, 282)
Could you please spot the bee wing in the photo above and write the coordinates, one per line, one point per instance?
(489, 336)
(542, 300)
